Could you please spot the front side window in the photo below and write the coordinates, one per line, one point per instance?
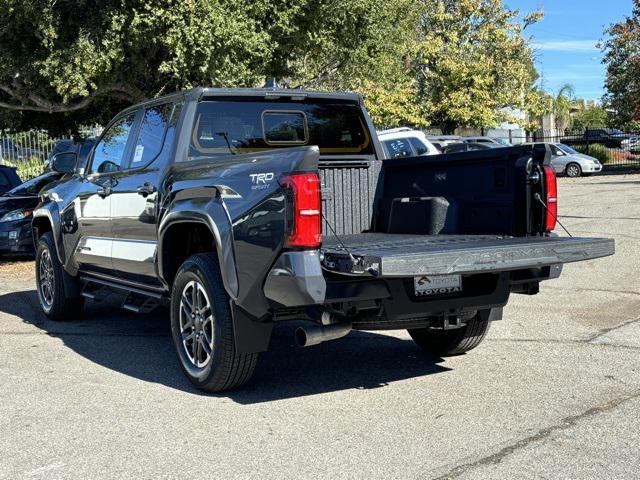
(555, 150)
(110, 153)
(152, 133)
(398, 148)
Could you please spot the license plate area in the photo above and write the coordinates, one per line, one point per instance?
(432, 285)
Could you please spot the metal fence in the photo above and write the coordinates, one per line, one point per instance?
(614, 148)
(33, 145)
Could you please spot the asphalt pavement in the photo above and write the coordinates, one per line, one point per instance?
(553, 392)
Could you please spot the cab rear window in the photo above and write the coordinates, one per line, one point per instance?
(224, 127)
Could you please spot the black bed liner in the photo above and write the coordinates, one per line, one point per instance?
(396, 255)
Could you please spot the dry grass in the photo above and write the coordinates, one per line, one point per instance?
(16, 268)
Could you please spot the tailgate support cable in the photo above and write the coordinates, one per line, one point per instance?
(344, 247)
(539, 198)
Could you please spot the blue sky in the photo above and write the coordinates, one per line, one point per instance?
(565, 41)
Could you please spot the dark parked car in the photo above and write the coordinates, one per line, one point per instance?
(609, 137)
(215, 201)
(16, 208)
(16, 205)
(10, 150)
(8, 178)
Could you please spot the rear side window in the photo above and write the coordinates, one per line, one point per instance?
(398, 148)
(152, 132)
(285, 127)
(419, 147)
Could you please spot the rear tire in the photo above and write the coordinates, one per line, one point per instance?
(202, 328)
(451, 342)
(50, 283)
(573, 170)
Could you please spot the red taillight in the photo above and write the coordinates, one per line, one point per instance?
(306, 225)
(551, 186)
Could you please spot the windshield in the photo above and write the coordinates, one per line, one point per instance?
(248, 125)
(614, 131)
(503, 142)
(32, 187)
(567, 149)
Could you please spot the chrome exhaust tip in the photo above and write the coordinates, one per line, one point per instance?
(314, 335)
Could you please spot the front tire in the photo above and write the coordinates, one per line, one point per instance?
(50, 282)
(573, 170)
(202, 328)
(451, 342)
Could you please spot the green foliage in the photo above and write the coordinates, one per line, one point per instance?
(66, 63)
(561, 106)
(28, 168)
(595, 150)
(472, 61)
(622, 58)
(590, 118)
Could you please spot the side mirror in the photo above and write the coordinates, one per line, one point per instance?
(64, 162)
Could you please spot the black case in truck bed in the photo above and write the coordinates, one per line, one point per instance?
(243, 208)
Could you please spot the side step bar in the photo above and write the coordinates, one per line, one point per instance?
(137, 300)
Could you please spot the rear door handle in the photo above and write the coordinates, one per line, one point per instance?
(146, 189)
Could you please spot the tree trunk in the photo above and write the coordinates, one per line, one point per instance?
(448, 127)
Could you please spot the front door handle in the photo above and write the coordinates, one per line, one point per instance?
(146, 189)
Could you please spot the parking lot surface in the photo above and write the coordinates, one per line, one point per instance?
(554, 391)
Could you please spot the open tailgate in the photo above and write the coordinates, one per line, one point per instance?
(396, 255)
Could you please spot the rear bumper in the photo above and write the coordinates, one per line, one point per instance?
(491, 270)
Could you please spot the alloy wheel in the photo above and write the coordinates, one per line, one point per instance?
(573, 171)
(46, 278)
(196, 324)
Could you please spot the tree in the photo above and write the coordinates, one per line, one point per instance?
(472, 61)
(590, 118)
(561, 106)
(72, 61)
(622, 59)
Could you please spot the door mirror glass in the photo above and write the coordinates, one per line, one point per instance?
(64, 162)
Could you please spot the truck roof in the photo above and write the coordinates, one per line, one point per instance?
(199, 92)
(278, 92)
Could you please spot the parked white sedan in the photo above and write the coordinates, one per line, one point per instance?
(570, 162)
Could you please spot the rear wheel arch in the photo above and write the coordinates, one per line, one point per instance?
(180, 239)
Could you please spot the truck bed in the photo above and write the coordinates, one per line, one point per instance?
(399, 255)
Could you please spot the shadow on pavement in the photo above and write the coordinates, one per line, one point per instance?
(141, 346)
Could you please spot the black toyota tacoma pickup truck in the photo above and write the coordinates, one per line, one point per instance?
(244, 208)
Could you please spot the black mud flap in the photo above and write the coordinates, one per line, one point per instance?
(250, 335)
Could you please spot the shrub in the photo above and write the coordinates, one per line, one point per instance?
(596, 150)
(28, 168)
